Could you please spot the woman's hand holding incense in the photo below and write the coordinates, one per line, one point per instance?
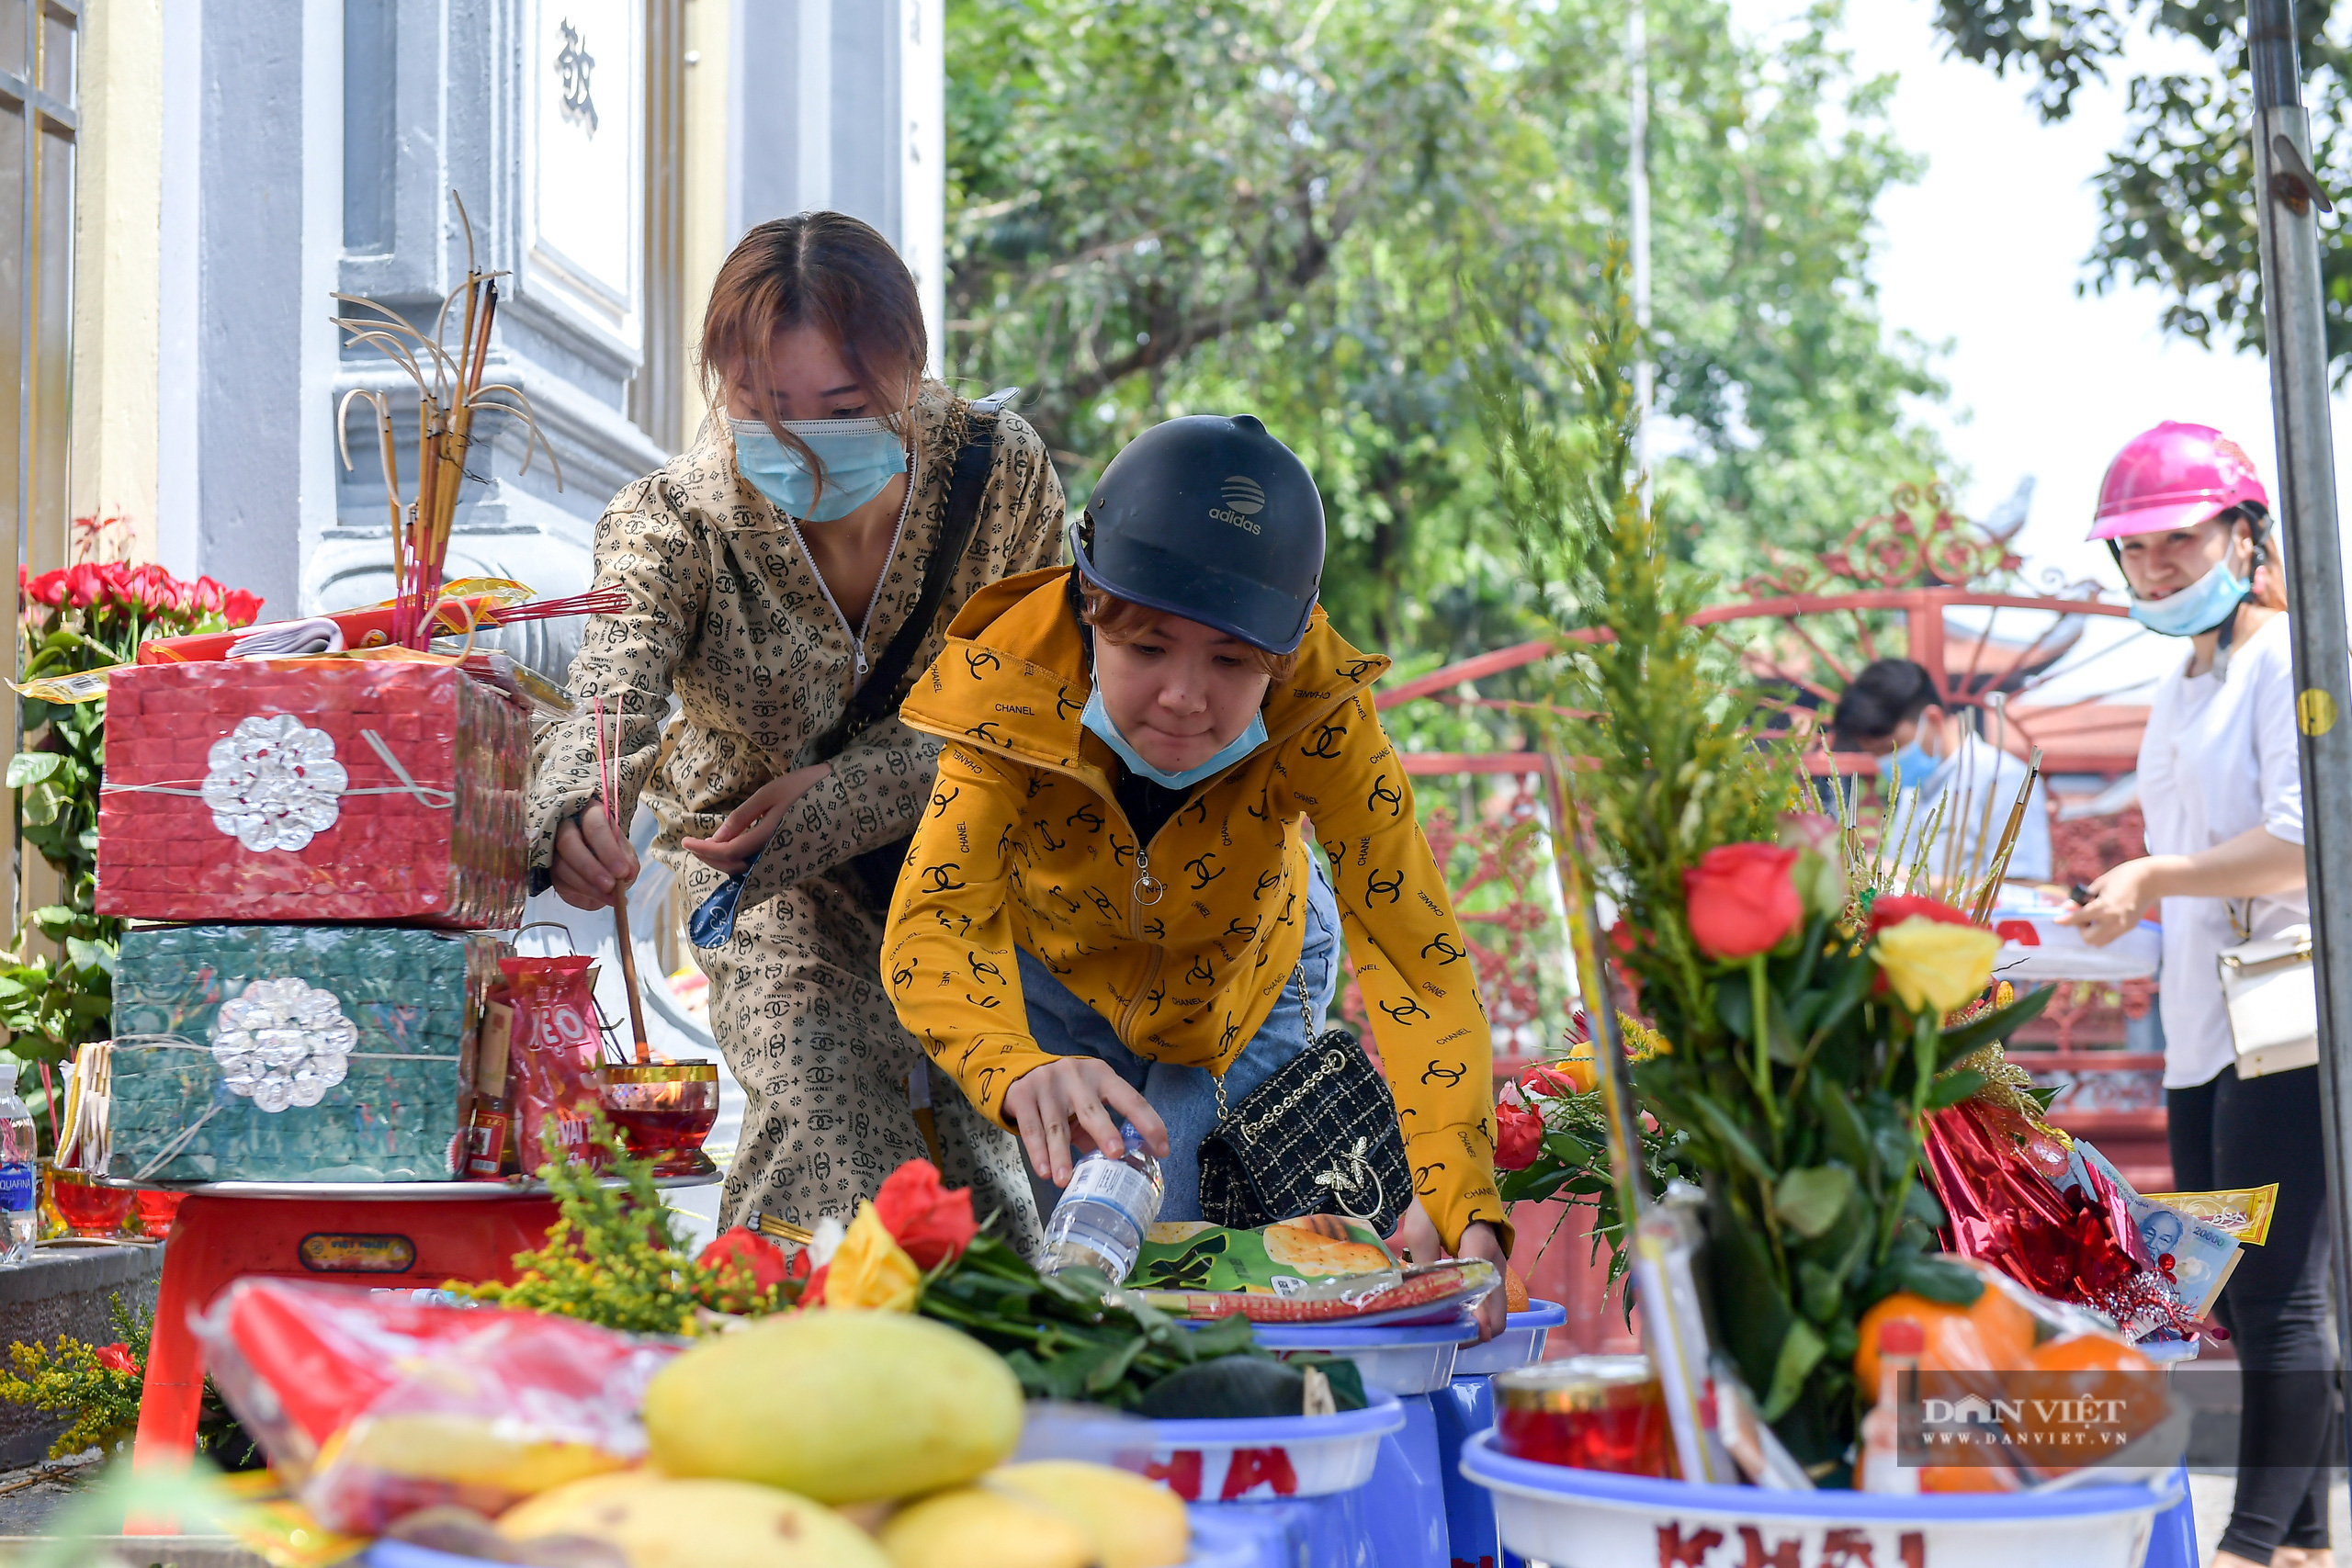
(1047, 1101)
(750, 826)
(593, 862)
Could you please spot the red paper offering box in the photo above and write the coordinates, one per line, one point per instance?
(312, 790)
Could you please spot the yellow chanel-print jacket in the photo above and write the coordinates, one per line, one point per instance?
(1025, 845)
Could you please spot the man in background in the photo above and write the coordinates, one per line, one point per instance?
(1891, 711)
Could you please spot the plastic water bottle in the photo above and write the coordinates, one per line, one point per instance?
(19, 1178)
(1104, 1211)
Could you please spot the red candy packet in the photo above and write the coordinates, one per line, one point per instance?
(555, 1048)
(372, 1407)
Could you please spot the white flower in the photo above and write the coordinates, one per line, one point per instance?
(273, 784)
(282, 1042)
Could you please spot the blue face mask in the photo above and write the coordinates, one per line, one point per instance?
(1098, 719)
(1912, 762)
(859, 455)
(2199, 608)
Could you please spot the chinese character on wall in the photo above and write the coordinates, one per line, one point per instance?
(572, 64)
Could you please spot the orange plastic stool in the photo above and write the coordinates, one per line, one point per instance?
(404, 1243)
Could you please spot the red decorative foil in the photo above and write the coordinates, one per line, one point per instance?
(452, 855)
(1981, 1162)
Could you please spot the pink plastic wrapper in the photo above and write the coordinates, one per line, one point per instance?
(371, 1406)
(312, 790)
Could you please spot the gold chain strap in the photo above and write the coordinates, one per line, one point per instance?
(1307, 1020)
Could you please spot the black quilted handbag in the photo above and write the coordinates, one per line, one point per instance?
(1320, 1136)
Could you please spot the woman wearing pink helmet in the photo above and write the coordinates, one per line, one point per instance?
(2220, 787)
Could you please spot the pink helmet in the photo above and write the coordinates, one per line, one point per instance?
(2173, 476)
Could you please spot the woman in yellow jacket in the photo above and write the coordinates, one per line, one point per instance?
(1110, 905)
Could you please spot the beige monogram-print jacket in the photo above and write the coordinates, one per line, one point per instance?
(725, 611)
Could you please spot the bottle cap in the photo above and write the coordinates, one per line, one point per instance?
(1901, 1336)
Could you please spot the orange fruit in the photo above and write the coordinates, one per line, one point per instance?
(1965, 1478)
(1514, 1289)
(1992, 1332)
(2092, 1367)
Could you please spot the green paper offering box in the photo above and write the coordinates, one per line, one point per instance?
(295, 1052)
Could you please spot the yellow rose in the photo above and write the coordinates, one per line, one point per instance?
(1934, 966)
(870, 1269)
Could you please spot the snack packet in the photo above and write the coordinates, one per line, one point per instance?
(371, 1407)
(1314, 1257)
(554, 1048)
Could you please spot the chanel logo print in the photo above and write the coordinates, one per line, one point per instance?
(1450, 1077)
(1199, 866)
(943, 878)
(939, 803)
(1393, 888)
(978, 660)
(1407, 1012)
(1383, 796)
(1084, 817)
(985, 730)
(1324, 743)
(1443, 945)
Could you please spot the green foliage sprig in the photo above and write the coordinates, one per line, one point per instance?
(99, 1384)
(1794, 1081)
(614, 1257)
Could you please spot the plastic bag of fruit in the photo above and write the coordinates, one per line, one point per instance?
(2013, 1390)
(372, 1405)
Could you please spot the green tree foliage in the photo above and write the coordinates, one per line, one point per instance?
(2175, 199)
(1160, 206)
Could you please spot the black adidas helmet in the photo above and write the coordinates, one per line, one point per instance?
(1212, 519)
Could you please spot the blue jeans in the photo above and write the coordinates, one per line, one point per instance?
(1186, 1097)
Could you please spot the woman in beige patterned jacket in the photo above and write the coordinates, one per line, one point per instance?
(762, 623)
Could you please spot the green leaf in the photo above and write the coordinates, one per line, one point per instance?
(54, 918)
(1954, 1086)
(1819, 1291)
(40, 805)
(1719, 1126)
(1799, 1352)
(31, 767)
(1809, 1200)
(99, 955)
(1842, 1127)
(1937, 1280)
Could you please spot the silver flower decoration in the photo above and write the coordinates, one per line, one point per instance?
(273, 784)
(282, 1042)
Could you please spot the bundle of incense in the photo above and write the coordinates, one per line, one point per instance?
(449, 394)
(1992, 888)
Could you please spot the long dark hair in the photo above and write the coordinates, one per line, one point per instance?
(825, 270)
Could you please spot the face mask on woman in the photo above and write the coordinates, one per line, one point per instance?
(1912, 762)
(2197, 609)
(859, 457)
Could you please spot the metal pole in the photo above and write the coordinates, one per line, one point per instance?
(1637, 138)
(2285, 198)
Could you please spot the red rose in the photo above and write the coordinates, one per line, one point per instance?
(116, 1357)
(763, 1257)
(1740, 900)
(1519, 1137)
(932, 1224)
(238, 607)
(85, 585)
(812, 1295)
(205, 594)
(49, 588)
(1892, 909)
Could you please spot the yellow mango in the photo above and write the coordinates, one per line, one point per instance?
(840, 1407)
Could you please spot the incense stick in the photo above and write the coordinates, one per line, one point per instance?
(620, 894)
